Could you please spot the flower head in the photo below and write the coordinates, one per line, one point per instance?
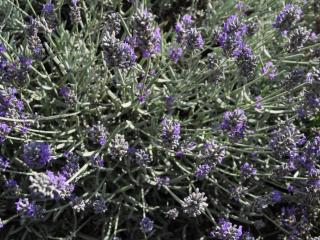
(226, 231)
(37, 154)
(175, 54)
(4, 163)
(99, 206)
(234, 122)
(116, 53)
(98, 134)
(212, 153)
(28, 209)
(49, 184)
(195, 203)
(146, 225)
(146, 36)
(247, 170)
(287, 18)
(119, 147)
(170, 132)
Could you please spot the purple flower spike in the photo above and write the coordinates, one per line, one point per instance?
(37, 154)
(234, 123)
(48, 8)
(146, 225)
(287, 18)
(175, 54)
(226, 231)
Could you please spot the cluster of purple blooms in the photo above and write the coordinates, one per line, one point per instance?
(311, 96)
(210, 155)
(231, 39)
(117, 53)
(234, 123)
(37, 154)
(146, 37)
(270, 70)
(226, 230)
(170, 134)
(28, 209)
(287, 18)
(98, 134)
(188, 36)
(49, 15)
(15, 71)
(146, 225)
(139, 156)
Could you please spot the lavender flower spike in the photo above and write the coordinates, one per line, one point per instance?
(195, 203)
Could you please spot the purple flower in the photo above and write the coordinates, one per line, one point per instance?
(185, 23)
(226, 231)
(48, 7)
(162, 181)
(49, 15)
(172, 213)
(287, 18)
(169, 103)
(67, 94)
(170, 132)
(203, 170)
(2, 48)
(11, 183)
(298, 38)
(276, 196)
(241, 6)
(143, 92)
(28, 209)
(234, 123)
(112, 23)
(247, 170)
(269, 69)
(230, 37)
(98, 134)
(4, 163)
(5, 130)
(146, 36)
(71, 166)
(16, 71)
(212, 153)
(231, 24)
(175, 54)
(36, 154)
(258, 105)
(116, 53)
(78, 204)
(187, 35)
(194, 39)
(245, 59)
(99, 206)
(187, 20)
(97, 161)
(286, 140)
(139, 156)
(146, 225)
(32, 32)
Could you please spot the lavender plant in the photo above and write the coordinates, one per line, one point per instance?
(159, 119)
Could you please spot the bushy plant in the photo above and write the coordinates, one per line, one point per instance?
(159, 119)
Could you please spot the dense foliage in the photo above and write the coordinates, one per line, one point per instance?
(159, 119)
